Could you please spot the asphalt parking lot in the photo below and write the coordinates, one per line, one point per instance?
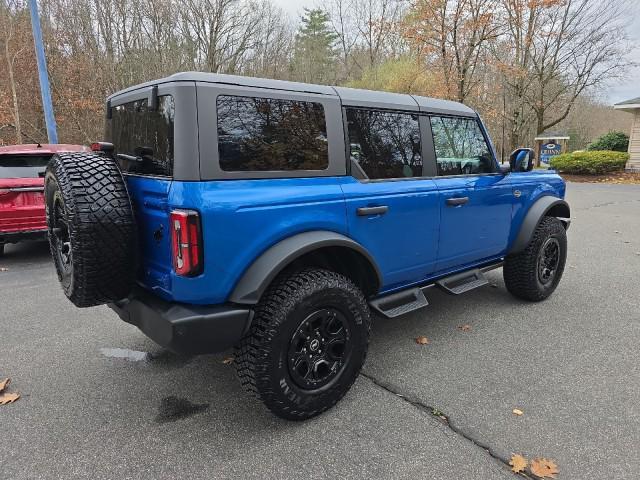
(99, 400)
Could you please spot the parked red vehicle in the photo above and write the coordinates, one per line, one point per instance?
(22, 215)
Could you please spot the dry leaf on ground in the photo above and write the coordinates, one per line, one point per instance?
(6, 398)
(228, 360)
(543, 468)
(465, 328)
(4, 269)
(518, 463)
(517, 411)
(4, 383)
(421, 340)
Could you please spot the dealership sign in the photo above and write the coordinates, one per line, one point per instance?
(549, 150)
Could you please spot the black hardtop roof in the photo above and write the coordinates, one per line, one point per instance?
(348, 96)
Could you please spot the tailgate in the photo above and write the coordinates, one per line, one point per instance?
(22, 205)
(149, 199)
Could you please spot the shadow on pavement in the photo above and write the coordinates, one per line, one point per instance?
(25, 252)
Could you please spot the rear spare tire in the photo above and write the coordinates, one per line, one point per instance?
(91, 228)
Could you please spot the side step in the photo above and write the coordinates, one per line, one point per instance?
(463, 282)
(400, 303)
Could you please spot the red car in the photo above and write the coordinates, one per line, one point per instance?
(22, 167)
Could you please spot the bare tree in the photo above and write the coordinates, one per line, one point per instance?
(554, 52)
(7, 14)
(453, 35)
(366, 31)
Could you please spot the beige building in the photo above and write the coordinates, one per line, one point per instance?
(633, 106)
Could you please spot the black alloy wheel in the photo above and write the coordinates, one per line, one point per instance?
(60, 237)
(548, 260)
(319, 348)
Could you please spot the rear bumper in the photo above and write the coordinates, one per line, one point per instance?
(189, 329)
(15, 237)
(16, 219)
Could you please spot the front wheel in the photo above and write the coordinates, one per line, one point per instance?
(534, 273)
(307, 343)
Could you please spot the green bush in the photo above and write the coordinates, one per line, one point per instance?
(614, 141)
(590, 163)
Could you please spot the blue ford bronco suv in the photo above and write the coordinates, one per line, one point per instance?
(275, 217)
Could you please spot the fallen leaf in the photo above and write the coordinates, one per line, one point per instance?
(493, 285)
(6, 398)
(422, 340)
(4, 383)
(4, 269)
(517, 411)
(228, 360)
(616, 231)
(465, 328)
(518, 463)
(543, 468)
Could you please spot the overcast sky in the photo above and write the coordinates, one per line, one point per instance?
(614, 93)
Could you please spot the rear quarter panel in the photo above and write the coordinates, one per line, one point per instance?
(243, 218)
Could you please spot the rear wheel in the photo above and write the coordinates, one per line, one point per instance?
(91, 228)
(534, 273)
(307, 343)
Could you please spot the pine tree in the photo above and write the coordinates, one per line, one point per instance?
(315, 55)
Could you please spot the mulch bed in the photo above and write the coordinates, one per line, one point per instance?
(617, 177)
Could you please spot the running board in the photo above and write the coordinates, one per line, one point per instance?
(397, 304)
(463, 282)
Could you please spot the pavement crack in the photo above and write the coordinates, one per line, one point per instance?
(502, 457)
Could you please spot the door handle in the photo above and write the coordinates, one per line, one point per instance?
(457, 201)
(367, 211)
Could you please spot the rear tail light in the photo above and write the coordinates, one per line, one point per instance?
(186, 242)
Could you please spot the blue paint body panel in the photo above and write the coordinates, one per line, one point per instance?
(419, 238)
(403, 241)
(478, 229)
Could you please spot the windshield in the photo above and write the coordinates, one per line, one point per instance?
(23, 166)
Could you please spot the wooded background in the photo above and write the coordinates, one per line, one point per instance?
(527, 66)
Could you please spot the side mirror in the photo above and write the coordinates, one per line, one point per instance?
(522, 160)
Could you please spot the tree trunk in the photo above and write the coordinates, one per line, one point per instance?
(14, 93)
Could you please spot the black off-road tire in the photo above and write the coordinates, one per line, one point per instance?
(91, 228)
(521, 271)
(262, 357)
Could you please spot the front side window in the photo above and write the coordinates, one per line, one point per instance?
(268, 134)
(384, 144)
(140, 132)
(461, 148)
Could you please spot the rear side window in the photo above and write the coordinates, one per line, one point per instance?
(268, 134)
(140, 132)
(384, 144)
(461, 148)
(23, 166)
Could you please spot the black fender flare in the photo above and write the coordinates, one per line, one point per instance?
(255, 280)
(547, 205)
